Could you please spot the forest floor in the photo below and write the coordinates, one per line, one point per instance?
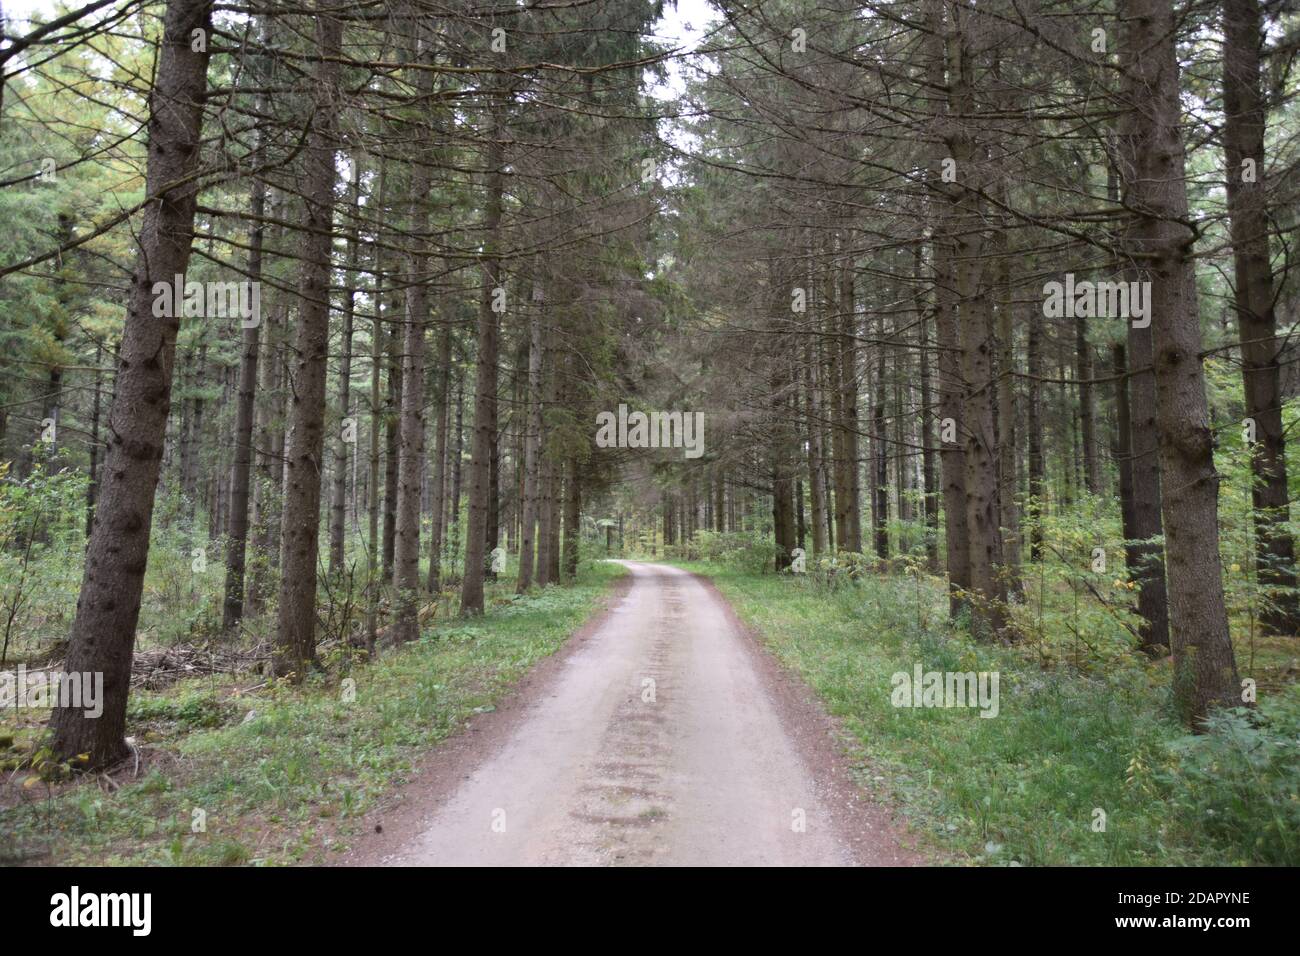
(1081, 766)
(646, 714)
(661, 734)
(235, 770)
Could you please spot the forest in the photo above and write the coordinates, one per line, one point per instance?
(353, 354)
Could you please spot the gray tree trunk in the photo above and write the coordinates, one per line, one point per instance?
(485, 386)
(1205, 669)
(300, 531)
(103, 633)
(1243, 143)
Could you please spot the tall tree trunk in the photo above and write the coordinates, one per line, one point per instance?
(1205, 669)
(185, 429)
(783, 432)
(532, 438)
(1243, 143)
(1034, 453)
(559, 397)
(103, 633)
(492, 531)
(801, 521)
(219, 495)
(373, 577)
(485, 386)
(300, 530)
(268, 426)
(929, 467)
(848, 353)
(1087, 409)
(832, 360)
(191, 477)
(952, 459)
(245, 413)
(59, 334)
(719, 506)
(339, 487)
(392, 446)
(1124, 456)
(880, 455)
(816, 453)
(512, 436)
(410, 461)
(545, 493)
(572, 518)
(1148, 569)
(441, 412)
(782, 507)
(901, 457)
(982, 515)
(92, 485)
(457, 471)
(1008, 505)
(976, 339)
(553, 502)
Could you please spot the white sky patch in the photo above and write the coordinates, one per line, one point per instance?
(686, 27)
(19, 12)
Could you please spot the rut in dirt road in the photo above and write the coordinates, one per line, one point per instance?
(660, 740)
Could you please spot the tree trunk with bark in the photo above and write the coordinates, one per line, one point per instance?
(300, 533)
(339, 486)
(102, 640)
(532, 439)
(1253, 299)
(848, 353)
(1036, 466)
(572, 519)
(1087, 409)
(952, 464)
(392, 441)
(410, 455)
(245, 412)
(816, 453)
(441, 412)
(485, 387)
(975, 335)
(1205, 669)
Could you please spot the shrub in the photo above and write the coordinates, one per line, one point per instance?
(745, 550)
(1238, 783)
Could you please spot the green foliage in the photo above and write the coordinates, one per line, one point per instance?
(184, 584)
(285, 771)
(1022, 788)
(830, 571)
(1239, 783)
(750, 551)
(1077, 601)
(41, 523)
(192, 709)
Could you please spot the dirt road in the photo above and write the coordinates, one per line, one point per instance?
(664, 737)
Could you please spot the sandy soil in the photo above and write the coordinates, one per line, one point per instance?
(661, 735)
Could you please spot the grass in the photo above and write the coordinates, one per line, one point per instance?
(279, 776)
(1068, 749)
